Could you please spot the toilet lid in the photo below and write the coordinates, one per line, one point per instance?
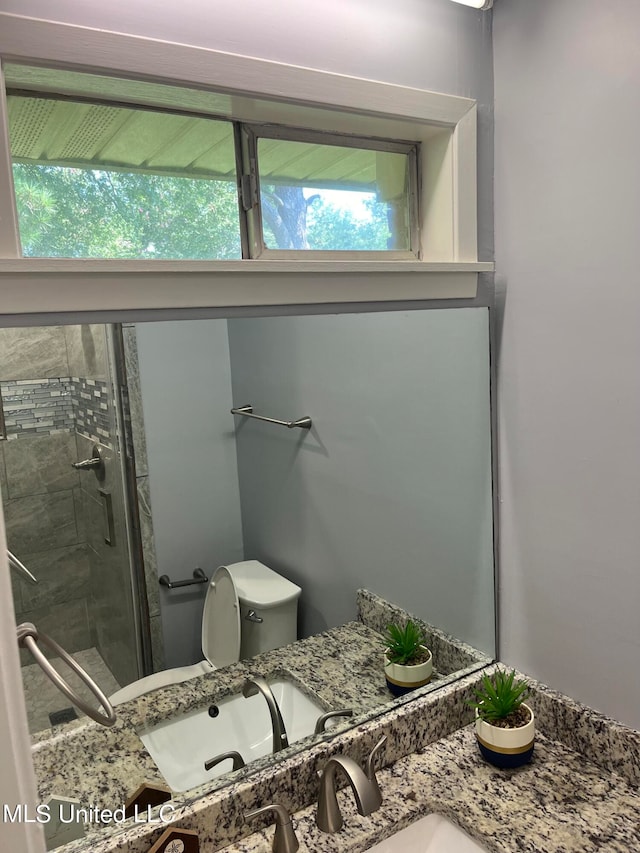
(221, 620)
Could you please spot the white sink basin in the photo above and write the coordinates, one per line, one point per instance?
(181, 746)
(430, 834)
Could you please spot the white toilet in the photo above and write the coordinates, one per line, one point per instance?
(248, 609)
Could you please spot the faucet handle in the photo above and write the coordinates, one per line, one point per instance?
(323, 718)
(284, 841)
(371, 770)
(238, 760)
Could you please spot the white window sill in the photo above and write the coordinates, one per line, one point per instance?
(100, 265)
(59, 286)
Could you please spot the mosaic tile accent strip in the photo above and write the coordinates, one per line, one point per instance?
(91, 406)
(37, 406)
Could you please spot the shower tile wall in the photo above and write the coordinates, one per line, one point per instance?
(57, 402)
(38, 485)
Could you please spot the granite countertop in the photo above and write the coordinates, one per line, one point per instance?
(340, 668)
(561, 802)
(581, 792)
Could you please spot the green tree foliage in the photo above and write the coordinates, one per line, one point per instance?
(331, 227)
(80, 213)
(293, 221)
(84, 213)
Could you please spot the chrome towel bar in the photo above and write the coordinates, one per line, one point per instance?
(247, 412)
(15, 563)
(28, 636)
(198, 577)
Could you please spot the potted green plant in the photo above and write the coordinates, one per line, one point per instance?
(408, 661)
(505, 726)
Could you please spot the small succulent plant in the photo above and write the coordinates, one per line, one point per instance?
(499, 696)
(404, 643)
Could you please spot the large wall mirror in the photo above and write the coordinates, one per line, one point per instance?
(381, 509)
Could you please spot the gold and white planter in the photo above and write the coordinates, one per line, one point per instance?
(402, 679)
(506, 747)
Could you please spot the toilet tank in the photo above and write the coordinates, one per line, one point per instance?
(268, 607)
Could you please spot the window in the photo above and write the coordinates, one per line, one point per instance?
(50, 61)
(101, 180)
(332, 195)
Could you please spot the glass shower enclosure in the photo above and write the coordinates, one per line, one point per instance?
(71, 526)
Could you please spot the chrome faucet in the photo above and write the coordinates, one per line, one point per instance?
(284, 841)
(237, 759)
(257, 684)
(364, 786)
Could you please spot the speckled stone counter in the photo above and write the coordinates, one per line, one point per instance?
(340, 668)
(560, 803)
(580, 794)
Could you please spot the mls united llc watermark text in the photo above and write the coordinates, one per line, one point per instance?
(67, 812)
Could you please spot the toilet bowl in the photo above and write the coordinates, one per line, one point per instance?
(248, 609)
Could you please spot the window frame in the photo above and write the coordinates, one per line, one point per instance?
(134, 108)
(247, 179)
(262, 91)
(252, 133)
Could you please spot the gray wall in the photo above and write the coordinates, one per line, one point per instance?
(193, 479)
(567, 216)
(391, 488)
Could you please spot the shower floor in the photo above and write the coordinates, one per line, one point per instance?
(43, 697)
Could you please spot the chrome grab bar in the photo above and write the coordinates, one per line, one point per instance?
(198, 577)
(247, 412)
(15, 563)
(28, 636)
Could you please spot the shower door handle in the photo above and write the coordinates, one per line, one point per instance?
(107, 518)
